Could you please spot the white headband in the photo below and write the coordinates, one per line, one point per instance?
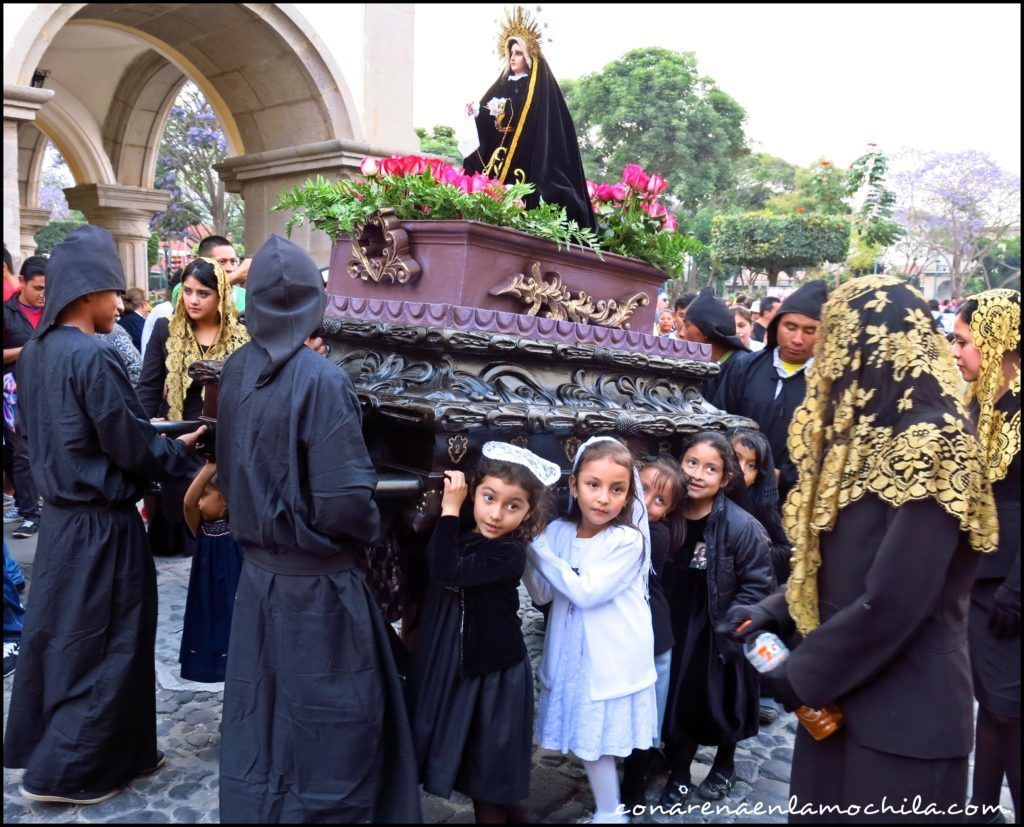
(547, 472)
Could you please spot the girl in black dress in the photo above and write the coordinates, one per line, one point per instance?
(472, 680)
(722, 562)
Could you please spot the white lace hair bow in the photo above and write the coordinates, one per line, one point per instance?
(638, 513)
(547, 472)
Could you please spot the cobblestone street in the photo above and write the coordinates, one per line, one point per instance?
(184, 791)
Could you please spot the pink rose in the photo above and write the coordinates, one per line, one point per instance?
(613, 192)
(479, 183)
(656, 185)
(412, 165)
(369, 167)
(389, 166)
(634, 175)
(670, 222)
(591, 189)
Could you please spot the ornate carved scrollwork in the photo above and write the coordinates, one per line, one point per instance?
(380, 251)
(536, 292)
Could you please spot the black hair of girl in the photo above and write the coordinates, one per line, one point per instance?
(966, 310)
(203, 272)
(732, 483)
(756, 442)
(512, 473)
(621, 455)
(668, 472)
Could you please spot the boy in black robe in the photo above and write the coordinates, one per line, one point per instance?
(314, 728)
(83, 711)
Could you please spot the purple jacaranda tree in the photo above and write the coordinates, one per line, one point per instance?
(956, 208)
(193, 143)
(55, 177)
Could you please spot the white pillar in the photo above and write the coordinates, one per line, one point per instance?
(20, 105)
(263, 176)
(126, 212)
(33, 220)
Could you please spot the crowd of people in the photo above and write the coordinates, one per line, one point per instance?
(656, 573)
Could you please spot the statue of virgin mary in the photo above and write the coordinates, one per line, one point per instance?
(524, 128)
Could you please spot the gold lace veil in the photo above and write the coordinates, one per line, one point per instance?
(881, 416)
(183, 349)
(995, 329)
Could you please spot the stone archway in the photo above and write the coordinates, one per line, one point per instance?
(285, 108)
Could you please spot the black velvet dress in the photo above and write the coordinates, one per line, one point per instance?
(995, 662)
(167, 531)
(710, 701)
(473, 733)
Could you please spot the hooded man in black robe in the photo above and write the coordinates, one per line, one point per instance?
(82, 718)
(768, 385)
(526, 132)
(708, 320)
(314, 727)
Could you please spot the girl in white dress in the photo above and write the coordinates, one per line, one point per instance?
(597, 673)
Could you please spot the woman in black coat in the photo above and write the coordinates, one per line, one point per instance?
(987, 351)
(891, 505)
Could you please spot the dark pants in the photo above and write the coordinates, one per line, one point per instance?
(14, 614)
(26, 496)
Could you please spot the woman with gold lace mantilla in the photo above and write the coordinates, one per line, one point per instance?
(205, 325)
(892, 504)
(524, 128)
(987, 351)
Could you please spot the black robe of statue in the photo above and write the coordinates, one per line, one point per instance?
(545, 149)
(83, 709)
(314, 727)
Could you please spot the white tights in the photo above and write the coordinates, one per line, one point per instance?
(604, 781)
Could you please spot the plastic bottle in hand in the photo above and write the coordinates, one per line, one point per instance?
(765, 652)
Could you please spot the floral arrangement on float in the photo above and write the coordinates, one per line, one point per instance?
(631, 220)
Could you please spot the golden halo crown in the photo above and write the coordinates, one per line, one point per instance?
(520, 24)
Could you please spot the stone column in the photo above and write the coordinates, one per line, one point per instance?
(20, 104)
(126, 212)
(263, 176)
(32, 221)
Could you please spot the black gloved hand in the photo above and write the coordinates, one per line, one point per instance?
(760, 620)
(1004, 616)
(776, 684)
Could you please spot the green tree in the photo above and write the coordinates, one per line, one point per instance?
(440, 141)
(153, 249)
(1001, 267)
(820, 188)
(55, 232)
(652, 107)
(770, 243)
(759, 178)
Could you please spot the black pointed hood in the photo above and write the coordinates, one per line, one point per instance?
(86, 261)
(285, 301)
(714, 319)
(808, 301)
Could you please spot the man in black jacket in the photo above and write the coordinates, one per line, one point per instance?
(22, 313)
(767, 386)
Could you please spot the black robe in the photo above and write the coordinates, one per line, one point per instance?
(891, 653)
(314, 726)
(83, 710)
(167, 531)
(546, 151)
